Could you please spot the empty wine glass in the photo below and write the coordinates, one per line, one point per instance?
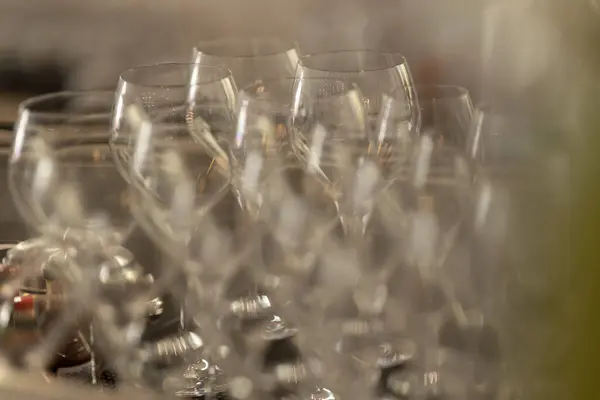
(68, 186)
(183, 201)
(250, 59)
(153, 186)
(163, 89)
(500, 152)
(71, 129)
(431, 201)
(255, 150)
(378, 77)
(374, 73)
(299, 227)
(300, 218)
(331, 135)
(278, 94)
(449, 109)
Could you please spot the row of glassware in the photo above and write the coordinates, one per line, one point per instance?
(325, 200)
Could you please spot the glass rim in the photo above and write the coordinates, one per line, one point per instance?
(399, 60)
(29, 105)
(281, 46)
(131, 76)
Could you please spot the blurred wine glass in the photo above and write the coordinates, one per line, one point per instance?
(67, 134)
(278, 94)
(250, 60)
(163, 89)
(501, 151)
(333, 136)
(307, 272)
(182, 199)
(431, 199)
(255, 150)
(449, 109)
(68, 187)
(374, 73)
(154, 180)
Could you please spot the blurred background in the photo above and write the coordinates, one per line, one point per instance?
(540, 57)
(53, 44)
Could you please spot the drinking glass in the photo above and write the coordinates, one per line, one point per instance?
(68, 133)
(270, 110)
(68, 187)
(154, 180)
(255, 150)
(281, 96)
(506, 188)
(278, 95)
(250, 59)
(428, 209)
(297, 224)
(163, 89)
(374, 73)
(182, 199)
(331, 135)
(449, 109)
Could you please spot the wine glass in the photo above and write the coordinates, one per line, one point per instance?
(182, 199)
(449, 109)
(66, 184)
(163, 89)
(250, 59)
(65, 119)
(374, 73)
(277, 93)
(385, 86)
(280, 95)
(331, 134)
(431, 202)
(153, 184)
(501, 151)
(255, 150)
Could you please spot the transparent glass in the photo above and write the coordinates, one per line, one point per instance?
(448, 110)
(182, 199)
(166, 157)
(68, 188)
(374, 73)
(61, 149)
(427, 211)
(335, 137)
(256, 149)
(157, 90)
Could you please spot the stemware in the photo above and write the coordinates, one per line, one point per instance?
(250, 59)
(163, 89)
(374, 73)
(182, 199)
(449, 110)
(154, 180)
(255, 150)
(332, 134)
(72, 129)
(277, 94)
(431, 201)
(384, 85)
(501, 150)
(68, 188)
